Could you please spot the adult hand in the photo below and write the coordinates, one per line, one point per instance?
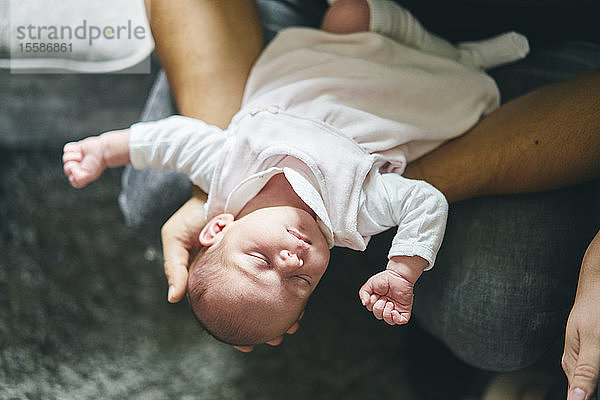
(273, 342)
(581, 357)
(180, 243)
(180, 240)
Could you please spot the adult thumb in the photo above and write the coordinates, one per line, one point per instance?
(176, 258)
(585, 373)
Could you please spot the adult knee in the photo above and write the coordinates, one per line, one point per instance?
(347, 16)
(500, 344)
(493, 321)
(506, 276)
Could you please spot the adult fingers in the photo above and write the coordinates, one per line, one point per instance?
(176, 258)
(584, 377)
(275, 342)
(244, 349)
(571, 350)
(180, 238)
(293, 329)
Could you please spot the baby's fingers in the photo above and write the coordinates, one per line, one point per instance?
(78, 178)
(378, 308)
(364, 297)
(69, 166)
(72, 147)
(367, 297)
(71, 156)
(400, 318)
(75, 174)
(389, 312)
(372, 300)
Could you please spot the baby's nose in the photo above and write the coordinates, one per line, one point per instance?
(290, 259)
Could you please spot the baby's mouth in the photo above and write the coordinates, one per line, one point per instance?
(303, 240)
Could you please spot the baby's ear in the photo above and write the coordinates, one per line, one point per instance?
(212, 231)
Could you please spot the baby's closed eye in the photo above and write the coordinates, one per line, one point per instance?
(303, 279)
(260, 259)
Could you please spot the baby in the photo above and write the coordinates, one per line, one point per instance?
(312, 160)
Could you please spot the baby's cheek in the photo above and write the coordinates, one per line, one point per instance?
(323, 261)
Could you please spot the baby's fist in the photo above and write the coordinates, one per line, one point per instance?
(389, 296)
(83, 161)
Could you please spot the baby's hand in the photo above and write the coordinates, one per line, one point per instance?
(389, 296)
(83, 161)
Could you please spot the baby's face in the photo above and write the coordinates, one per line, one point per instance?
(277, 252)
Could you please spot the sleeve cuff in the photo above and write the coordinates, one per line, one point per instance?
(379, 20)
(413, 249)
(136, 145)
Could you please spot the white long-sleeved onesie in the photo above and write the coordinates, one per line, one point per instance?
(351, 196)
(340, 116)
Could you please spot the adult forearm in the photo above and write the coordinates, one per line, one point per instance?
(546, 139)
(206, 48)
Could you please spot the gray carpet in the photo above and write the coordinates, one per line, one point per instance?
(83, 313)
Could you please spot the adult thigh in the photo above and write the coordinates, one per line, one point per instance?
(507, 272)
(506, 275)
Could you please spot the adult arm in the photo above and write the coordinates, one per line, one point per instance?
(207, 49)
(544, 140)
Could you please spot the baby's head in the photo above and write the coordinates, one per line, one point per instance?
(253, 276)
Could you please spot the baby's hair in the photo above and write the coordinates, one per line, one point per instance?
(220, 309)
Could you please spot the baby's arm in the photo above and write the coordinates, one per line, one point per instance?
(420, 212)
(389, 294)
(178, 143)
(85, 160)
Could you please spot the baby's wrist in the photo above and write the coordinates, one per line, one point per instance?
(115, 148)
(409, 267)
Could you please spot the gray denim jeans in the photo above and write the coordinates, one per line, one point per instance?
(506, 274)
(507, 271)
